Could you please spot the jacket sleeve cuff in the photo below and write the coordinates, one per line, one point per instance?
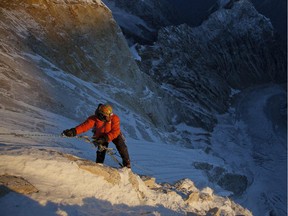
(74, 131)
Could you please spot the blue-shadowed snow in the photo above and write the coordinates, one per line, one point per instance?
(246, 141)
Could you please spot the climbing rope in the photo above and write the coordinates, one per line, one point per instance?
(110, 151)
(29, 135)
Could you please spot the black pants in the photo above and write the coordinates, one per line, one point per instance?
(121, 148)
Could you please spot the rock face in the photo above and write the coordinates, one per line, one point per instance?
(159, 13)
(44, 42)
(148, 17)
(194, 67)
(235, 183)
(10, 183)
(234, 48)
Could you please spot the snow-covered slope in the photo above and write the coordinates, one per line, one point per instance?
(255, 130)
(69, 185)
(59, 59)
(63, 184)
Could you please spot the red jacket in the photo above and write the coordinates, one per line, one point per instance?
(100, 128)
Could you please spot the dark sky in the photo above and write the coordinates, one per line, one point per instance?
(276, 10)
(193, 11)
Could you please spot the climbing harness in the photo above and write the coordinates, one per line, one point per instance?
(110, 151)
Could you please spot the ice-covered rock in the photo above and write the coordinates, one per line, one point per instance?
(17, 184)
(234, 47)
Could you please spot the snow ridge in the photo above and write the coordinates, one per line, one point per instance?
(66, 184)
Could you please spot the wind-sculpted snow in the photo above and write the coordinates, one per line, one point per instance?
(48, 179)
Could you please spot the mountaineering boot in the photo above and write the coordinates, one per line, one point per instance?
(100, 156)
(123, 150)
(127, 164)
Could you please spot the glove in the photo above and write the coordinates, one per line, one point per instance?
(69, 132)
(101, 140)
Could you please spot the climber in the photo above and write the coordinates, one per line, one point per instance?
(105, 126)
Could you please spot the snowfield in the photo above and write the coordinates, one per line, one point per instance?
(68, 185)
(68, 182)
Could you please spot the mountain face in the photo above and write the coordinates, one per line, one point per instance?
(235, 48)
(236, 45)
(42, 42)
(141, 20)
(209, 69)
(155, 13)
(59, 59)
